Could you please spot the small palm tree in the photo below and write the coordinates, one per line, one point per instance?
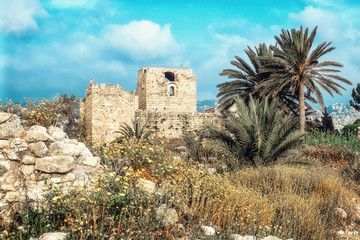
(135, 132)
(257, 134)
(247, 77)
(294, 67)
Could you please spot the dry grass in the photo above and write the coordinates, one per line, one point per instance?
(284, 201)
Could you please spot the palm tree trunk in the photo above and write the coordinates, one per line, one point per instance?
(302, 106)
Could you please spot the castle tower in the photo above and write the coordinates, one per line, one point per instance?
(166, 90)
(106, 107)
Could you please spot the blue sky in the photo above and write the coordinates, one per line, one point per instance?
(57, 46)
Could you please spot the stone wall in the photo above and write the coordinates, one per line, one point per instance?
(166, 90)
(106, 108)
(165, 98)
(28, 158)
(175, 125)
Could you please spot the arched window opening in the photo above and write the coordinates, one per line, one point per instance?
(144, 70)
(172, 91)
(169, 76)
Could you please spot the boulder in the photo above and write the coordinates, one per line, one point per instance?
(248, 237)
(38, 128)
(10, 125)
(147, 185)
(84, 150)
(236, 237)
(211, 170)
(271, 238)
(53, 236)
(55, 164)
(167, 216)
(38, 148)
(63, 148)
(56, 133)
(89, 161)
(37, 135)
(207, 231)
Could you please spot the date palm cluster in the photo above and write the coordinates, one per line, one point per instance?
(272, 95)
(288, 70)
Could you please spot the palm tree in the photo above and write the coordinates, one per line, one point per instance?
(294, 67)
(257, 134)
(247, 77)
(135, 132)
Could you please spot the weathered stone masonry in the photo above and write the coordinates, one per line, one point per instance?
(165, 98)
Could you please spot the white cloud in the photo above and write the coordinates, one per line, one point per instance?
(18, 16)
(339, 24)
(141, 39)
(328, 22)
(73, 3)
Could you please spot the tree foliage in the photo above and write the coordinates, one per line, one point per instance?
(355, 102)
(258, 133)
(296, 67)
(247, 76)
(327, 121)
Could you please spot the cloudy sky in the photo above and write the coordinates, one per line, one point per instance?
(57, 46)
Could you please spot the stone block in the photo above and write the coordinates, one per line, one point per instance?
(55, 164)
(38, 148)
(56, 133)
(37, 135)
(89, 161)
(9, 125)
(28, 159)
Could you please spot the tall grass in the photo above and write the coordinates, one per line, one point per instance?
(283, 201)
(316, 138)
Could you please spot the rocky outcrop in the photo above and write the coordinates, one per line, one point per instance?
(32, 158)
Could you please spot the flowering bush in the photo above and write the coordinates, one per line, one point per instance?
(36, 112)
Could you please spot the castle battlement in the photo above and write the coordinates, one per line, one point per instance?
(106, 89)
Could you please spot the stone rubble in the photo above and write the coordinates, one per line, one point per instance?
(31, 157)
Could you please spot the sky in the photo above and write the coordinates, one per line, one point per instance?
(50, 47)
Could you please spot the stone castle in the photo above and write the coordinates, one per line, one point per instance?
(165, 98)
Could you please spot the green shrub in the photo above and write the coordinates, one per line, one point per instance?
(316, 138)
(257, 134)
(351, 129)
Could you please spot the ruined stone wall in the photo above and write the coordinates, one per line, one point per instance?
(175, 125)
(165, 98)
(106, 108)
(166, 90)
(30, 158)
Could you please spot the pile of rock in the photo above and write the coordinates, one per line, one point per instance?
(30, 159)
